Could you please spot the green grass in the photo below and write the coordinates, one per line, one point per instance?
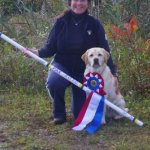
(25, 124)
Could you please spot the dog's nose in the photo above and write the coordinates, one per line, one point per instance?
(96, 61)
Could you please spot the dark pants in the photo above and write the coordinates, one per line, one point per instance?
(57, 85)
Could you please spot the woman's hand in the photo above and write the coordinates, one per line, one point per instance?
(33, 50)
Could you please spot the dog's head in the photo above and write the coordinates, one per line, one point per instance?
(95, 57)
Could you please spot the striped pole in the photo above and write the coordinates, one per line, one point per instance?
(67, 77)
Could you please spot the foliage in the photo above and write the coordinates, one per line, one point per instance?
(121, 12)
(127, 25)
(10, 7)
(18, 70)
(35, 5)
(25, 115)
(131, 54)
(29, 22)
(7, 7)
(25, 27)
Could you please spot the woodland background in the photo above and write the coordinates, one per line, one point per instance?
(24, 103)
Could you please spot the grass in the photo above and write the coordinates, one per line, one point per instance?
(25, 124)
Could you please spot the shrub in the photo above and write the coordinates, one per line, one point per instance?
(127, 26)
(7, 7)
(19, 70)
(30, 30)
(128, 29)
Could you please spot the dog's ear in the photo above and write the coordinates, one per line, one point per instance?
(106, 56)
(84, 57)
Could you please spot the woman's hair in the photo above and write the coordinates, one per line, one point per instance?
(69, 2)
(62, 14)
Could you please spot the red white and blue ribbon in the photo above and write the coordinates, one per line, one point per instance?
(97, 120)
(94, 82)
(91, 115)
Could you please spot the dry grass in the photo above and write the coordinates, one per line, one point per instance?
(25, 124)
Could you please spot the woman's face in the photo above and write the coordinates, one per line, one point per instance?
(79, 6)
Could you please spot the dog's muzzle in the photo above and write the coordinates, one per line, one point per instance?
(96, 62)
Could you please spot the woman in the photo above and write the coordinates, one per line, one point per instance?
(72, 34)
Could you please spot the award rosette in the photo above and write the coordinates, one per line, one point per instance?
(91, 114)
(94, 82)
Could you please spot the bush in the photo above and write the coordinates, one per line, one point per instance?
(30, 30)
(8, 7)
(127, 25)
(18, 70)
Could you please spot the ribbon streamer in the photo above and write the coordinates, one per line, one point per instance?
(96, 122)
(91, 114)
(85, 118)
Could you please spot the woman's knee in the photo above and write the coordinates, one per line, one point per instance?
(56, 83)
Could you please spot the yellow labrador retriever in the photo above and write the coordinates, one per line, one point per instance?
(96, 61)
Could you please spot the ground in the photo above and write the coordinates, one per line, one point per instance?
(26, 124)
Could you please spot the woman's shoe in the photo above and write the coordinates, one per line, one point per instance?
(59, 120)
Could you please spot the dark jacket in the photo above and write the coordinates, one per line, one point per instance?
(90, 34)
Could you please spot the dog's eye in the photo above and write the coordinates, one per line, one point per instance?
(91, 55)
(99, 54)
